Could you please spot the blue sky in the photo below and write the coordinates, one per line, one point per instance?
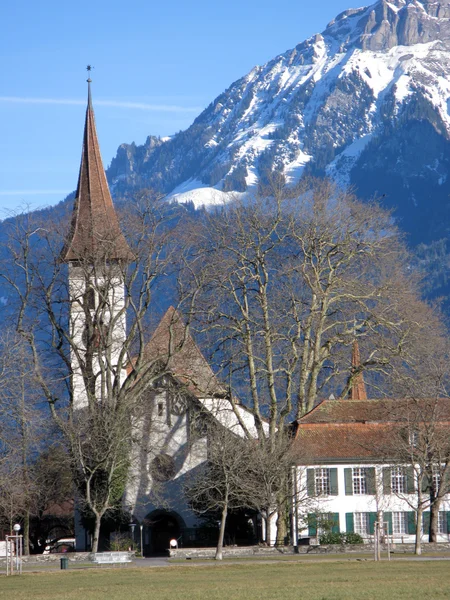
(156, 66)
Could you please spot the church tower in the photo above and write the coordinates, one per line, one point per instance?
(96, 253)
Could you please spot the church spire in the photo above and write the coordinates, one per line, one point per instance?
(358, 387)
(95, 232)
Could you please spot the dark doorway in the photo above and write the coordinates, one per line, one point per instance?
(162, 527)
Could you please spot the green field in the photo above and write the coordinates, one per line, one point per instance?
(285, 581)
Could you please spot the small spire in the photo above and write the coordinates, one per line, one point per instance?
(89, 81)
(358, 387)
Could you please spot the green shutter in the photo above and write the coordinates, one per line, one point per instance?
(349, 523)
(335, 523)
(333, 482)
(312, 524)
(426, 522)
(373, 516)
(411, 522)
(348, 478)
(410, 483)
(310, 482)
(448, 522)
(386, 480)
(426, 483)
(371, 481)
(387, 516)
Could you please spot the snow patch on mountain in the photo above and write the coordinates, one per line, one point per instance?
(200, 195)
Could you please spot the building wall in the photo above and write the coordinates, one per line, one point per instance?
(341, 504)
(169, 446)
(112, 281)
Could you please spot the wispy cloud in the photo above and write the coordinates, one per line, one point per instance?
(32, 192)
(115, 103)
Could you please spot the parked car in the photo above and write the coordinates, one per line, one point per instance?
(62, 545)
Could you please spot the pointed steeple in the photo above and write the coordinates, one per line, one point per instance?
(358, 388)
(95, 232)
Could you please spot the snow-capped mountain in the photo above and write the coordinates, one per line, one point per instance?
(366, 102)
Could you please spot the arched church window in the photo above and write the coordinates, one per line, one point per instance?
(89, 298)
(162, 468)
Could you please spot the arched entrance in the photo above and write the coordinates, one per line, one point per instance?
(161, 526)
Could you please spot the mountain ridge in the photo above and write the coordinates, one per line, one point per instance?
(313, 110)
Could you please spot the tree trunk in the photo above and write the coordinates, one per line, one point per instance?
(282, 513)
(281, 526)
(98, 520)
(418, 546)
(219, 549)
(434, 516)
(26, 533)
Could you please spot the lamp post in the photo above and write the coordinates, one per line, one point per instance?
(132, 526)
(142, 545)
(18, 545)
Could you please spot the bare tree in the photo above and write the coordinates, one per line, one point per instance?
(86, 333)
(222, 482)
(287, 282)
(23, 431)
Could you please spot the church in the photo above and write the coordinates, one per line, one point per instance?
(169, 436)
(343, 473)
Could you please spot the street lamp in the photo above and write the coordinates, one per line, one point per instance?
(18, 544)
(132, 526)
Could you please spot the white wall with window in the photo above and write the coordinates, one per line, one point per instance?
(354, 497)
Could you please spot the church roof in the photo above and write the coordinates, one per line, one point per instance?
(173, 345)
(95, 231)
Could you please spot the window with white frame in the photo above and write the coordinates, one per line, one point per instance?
(414, 438)
(361, 523)
(322, 482)
(436, 479)
(359, 481)
(398, 480)
(399, 523)
(442, 522)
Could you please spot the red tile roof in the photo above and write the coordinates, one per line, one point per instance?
(95, 231)
(348, 430)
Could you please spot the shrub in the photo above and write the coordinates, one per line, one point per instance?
(340, 538)
(353, 538)
(332, 538)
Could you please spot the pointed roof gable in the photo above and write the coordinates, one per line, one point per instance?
(174, 346)
(358, 389)
(95, 231)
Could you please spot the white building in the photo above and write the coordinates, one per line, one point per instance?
(350, 471)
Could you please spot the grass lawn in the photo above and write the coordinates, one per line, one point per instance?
(285, 581)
